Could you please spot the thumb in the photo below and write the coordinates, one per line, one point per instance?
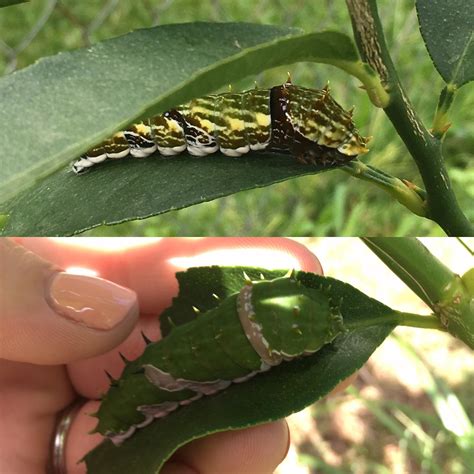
(48, 316)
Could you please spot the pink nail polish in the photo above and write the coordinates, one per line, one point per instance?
(94, 302)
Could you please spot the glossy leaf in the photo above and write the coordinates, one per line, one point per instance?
(88, 94)
(197, 287)
(447, 29)
(8, 3)
(64, 204)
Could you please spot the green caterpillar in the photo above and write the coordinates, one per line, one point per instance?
(265, 323)
(307, 123)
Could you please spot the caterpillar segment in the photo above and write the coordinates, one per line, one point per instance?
(305, 123)
(266, 323)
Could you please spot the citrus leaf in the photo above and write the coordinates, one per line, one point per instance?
(447, 29)
(88, 94)
(198, 285)
(8, 3)
(65, 204)
(283, 390)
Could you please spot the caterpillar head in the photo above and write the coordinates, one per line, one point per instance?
(283, 319)
(320, 129)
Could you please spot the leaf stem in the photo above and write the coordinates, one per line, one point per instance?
(441, 203)
(369, 78)
(411, 261)
(400, 319)
(420, 321)
(440, 121)
(448, 295)
(405, 192)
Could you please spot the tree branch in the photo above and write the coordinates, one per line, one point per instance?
(441, 203)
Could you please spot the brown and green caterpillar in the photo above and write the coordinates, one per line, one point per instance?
(306, 123)
(265, 323)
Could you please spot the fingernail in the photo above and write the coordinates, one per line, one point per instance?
(95, 302)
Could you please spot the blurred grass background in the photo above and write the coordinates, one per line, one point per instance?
(329, 204)
(411, 407)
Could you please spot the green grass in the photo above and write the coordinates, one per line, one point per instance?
(400, 429)
(328, 204)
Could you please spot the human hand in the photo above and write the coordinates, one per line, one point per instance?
(53, 354)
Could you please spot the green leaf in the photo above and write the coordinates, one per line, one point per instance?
(65, 204)
(197, 287)
(83, 96)
(8, 3)
(59, 107)
(447, 29)
(283, 390)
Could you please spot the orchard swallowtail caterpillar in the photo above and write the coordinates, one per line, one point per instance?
(306, 123)
(264, 324)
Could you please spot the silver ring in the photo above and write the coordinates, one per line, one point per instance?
(58, 446)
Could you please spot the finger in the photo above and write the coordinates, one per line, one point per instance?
(79, 440)
(259, 449)
(341, 386)
(51, 317)
(168, 256)
(30, 397)
(148, 266)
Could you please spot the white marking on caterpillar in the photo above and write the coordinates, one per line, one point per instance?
(148, 420)
(141, 152)
(166, 381)
(259, 146)
(159, 410)
(116, 155)
(252, 329)
(248, 376)
(98, 159)
(82, 163)
(119, 438)
(236, 152)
